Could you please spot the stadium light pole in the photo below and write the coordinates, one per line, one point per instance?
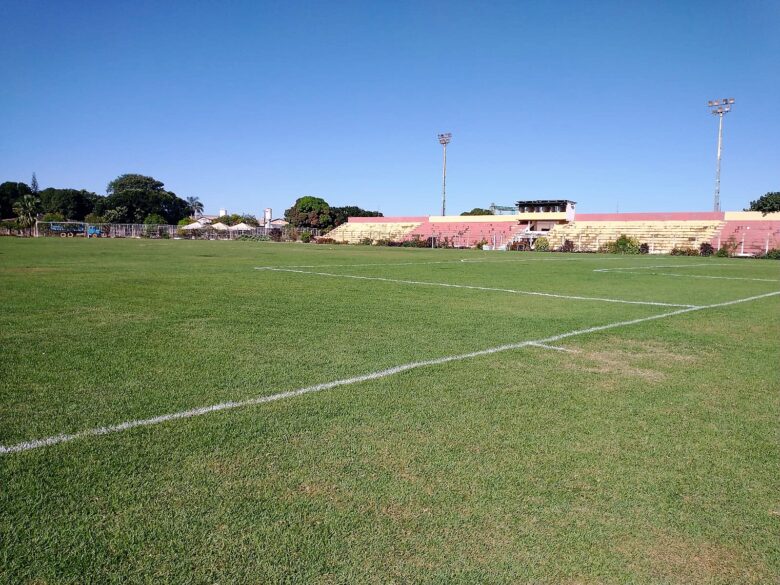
(444, 140)
(719, 108)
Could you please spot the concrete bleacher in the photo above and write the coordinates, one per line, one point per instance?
(749, 233)
(660, 231)
(465, 233)
(359, 229)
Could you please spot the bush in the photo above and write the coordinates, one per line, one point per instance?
(706, 249)
(275, 234)
(644, 248)
(521, 246)
(481, 244)
(684, 251)
(322, 240)
(53, 217)
(772, 254)
(542, 245)
(365, 241)
(568, 246)
(722, 252)
(623, 245)
(306, 237)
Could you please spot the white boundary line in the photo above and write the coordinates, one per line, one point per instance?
(106, 430)
(485, 288)
(554, 347)
(695, 275)
(662, 266)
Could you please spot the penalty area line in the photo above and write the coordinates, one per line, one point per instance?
(546, 341)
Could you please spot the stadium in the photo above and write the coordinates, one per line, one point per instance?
(389, 379)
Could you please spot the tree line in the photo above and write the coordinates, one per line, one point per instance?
(130, 198)
(315, 212)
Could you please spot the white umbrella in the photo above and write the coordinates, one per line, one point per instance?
(219, 226)
(193, 226)
(241, 227)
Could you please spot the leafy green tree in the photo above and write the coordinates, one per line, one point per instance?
(154, 219)
(340, 215)
(236, 218)
(478, 211)
(311, 212)
(766, 204)
(73, 204)
(195, 206)
(26, 210)
(134, 197)
(10, 193)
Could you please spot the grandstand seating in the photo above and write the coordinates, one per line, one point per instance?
(467, 234)
(751, 238)
(355, 232)
(660, 236)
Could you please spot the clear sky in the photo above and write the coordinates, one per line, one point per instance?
(251, 104)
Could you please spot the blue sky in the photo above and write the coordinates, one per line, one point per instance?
(251, 104)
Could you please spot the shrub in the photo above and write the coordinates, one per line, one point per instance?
(481, 244)
(568, 246)
(275, 234)
(306, 237)
(706, 249)
(53, 217)
(365, 241)
(684, 251)
(322, 240)
(542, 245)
(623, 245)
(722, 252)
(521, 246)
(644, 248)
(772, 254)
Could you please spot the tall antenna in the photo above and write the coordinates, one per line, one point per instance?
(719, 108)
(444, 140)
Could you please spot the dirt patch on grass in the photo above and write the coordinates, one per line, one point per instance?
(676, 559)
(645, 360)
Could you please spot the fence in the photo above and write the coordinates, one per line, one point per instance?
(73, 229)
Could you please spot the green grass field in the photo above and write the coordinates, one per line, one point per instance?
(646, 452)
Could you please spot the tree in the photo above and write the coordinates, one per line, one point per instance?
(26, 210)
(195, 206)
(133, 197)
(478, 211)
(73, 204)
(10, 193)
(34, 185)
(154, 219)
(767, 204)
(340, 215)
(310, 212)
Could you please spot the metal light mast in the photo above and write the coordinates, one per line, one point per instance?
(444, 140)
(719, 108)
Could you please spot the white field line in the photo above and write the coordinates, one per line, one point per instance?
(697, 276)
(424, 262)
(106, 430)
(554, 347)
(662, 266)
(485, 288)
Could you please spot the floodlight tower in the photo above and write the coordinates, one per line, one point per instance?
(444, 140)
(719, 108)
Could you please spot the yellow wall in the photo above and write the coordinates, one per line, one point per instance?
(752, 216)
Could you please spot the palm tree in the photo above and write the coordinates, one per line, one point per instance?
(196, 207)
(26, 210)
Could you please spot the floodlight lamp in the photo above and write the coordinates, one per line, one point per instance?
(731, 100)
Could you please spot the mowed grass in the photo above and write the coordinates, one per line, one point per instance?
(649, 455)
